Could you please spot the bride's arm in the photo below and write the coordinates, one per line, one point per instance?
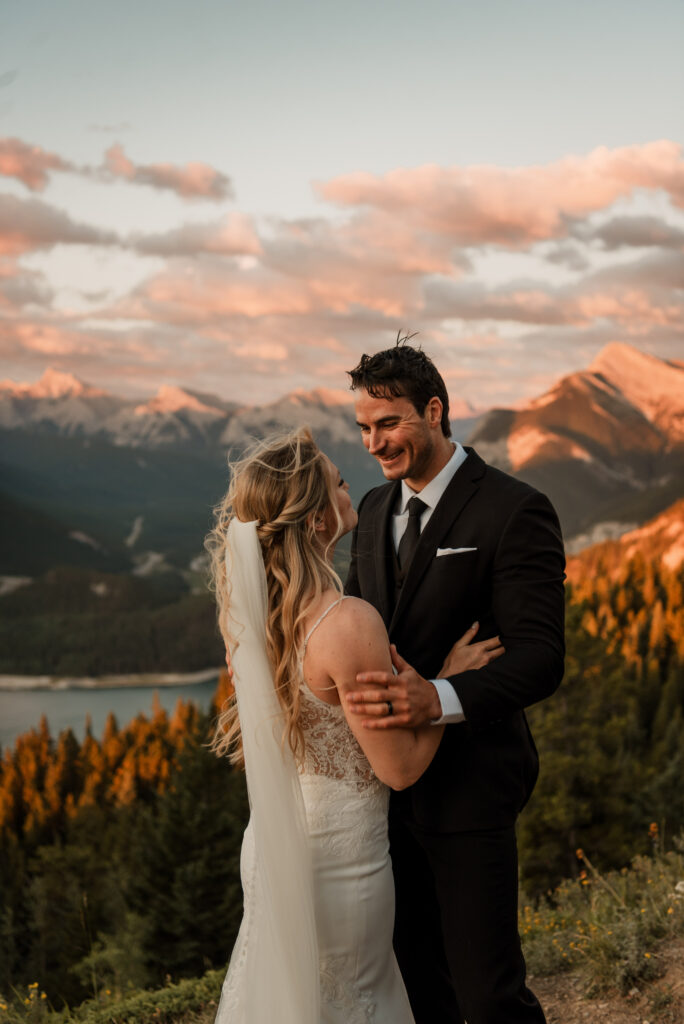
(356, 641)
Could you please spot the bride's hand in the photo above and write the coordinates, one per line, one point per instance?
(465, 655)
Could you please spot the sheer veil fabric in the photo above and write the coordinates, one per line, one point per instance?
(277, 946)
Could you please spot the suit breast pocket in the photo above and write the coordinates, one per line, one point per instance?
(455, 574)
(455, 560)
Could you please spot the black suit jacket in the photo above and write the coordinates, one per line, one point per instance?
(512, 583)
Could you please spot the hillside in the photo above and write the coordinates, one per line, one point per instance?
(661, 539)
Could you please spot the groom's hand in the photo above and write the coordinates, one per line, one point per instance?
(413, 700)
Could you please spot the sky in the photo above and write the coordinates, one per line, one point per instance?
(242, 198)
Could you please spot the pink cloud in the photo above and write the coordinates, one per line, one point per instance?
(513, 207)
(29, 164)
(235, 234)
(192, 181)
(207, 293)
(633, 296)
(48, 339)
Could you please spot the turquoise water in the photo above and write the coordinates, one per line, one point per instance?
(65, 709)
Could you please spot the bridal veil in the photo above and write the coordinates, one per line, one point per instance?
(278, 952)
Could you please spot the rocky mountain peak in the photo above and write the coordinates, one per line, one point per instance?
(53, 384)
(171, 399)
(654, 386)
(321, 396)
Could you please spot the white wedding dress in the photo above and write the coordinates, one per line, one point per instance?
(345, 807)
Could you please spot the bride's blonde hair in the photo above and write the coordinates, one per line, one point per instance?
(284, 483)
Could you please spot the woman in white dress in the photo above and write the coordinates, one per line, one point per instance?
(315, 944)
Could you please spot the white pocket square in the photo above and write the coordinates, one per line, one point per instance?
(452, 551)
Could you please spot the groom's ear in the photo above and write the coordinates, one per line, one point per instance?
(433, 412)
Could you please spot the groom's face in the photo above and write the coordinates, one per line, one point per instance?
(396, 435)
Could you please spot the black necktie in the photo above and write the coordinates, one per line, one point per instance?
(409, 540)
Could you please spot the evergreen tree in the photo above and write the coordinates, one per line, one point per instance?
(184, 867)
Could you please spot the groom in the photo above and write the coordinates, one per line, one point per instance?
(447, 541)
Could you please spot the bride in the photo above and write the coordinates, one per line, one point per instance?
(315, 943)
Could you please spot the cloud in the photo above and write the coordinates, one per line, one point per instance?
(634, 232)
(567, 254)
(633, 296)
(234, 235)
(30, 224)
(21, 288)
(29, 164)
(659, 270)
(513, 207)
(293, 303)
(33, 166)
(192, 181)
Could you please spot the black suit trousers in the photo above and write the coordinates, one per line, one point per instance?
(456, 926)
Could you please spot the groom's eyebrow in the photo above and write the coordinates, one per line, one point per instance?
(381, 422)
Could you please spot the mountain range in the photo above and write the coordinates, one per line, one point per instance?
(92, 478)
(606, 443)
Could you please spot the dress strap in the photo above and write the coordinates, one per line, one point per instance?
(319, 620)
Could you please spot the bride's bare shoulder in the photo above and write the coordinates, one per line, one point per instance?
(350, 638)
(353, 623)
(346, 618)
(355, 612)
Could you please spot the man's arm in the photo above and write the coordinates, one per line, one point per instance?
(416, 701)
(528, 607)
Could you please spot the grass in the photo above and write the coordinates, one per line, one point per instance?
(607, 927)
(193, 1001)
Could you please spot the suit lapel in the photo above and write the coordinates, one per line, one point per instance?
(462, 487)
(382, 538)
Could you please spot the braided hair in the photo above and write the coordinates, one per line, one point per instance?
(283, 483)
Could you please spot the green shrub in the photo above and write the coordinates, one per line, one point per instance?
(607, 926)
(165, 1006)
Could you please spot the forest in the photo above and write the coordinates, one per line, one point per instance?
(119, 855)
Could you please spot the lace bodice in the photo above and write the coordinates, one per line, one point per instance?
(331, 748)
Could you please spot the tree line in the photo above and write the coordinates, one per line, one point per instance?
(119, 855)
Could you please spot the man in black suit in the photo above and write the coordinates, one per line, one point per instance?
(475, 544)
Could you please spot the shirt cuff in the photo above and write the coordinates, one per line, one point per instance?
(452, 709)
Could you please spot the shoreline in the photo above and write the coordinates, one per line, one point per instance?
(56, 683)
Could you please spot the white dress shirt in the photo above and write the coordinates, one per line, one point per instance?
(452, 709)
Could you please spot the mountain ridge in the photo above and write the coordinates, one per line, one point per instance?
(606, 443)
(602, 443)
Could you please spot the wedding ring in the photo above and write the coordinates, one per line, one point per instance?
(390, 709)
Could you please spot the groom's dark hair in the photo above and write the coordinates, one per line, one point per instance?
(403, 371)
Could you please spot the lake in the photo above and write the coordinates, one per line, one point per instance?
(21, 710)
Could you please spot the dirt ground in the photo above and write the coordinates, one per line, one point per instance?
(658, 1002)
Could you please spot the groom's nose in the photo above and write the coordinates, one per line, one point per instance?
(375, 442)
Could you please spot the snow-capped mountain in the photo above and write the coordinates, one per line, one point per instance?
(174, 415)
(53, 384)
(61, 403)
(58, 403)
(325, 410)
(606, 444)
